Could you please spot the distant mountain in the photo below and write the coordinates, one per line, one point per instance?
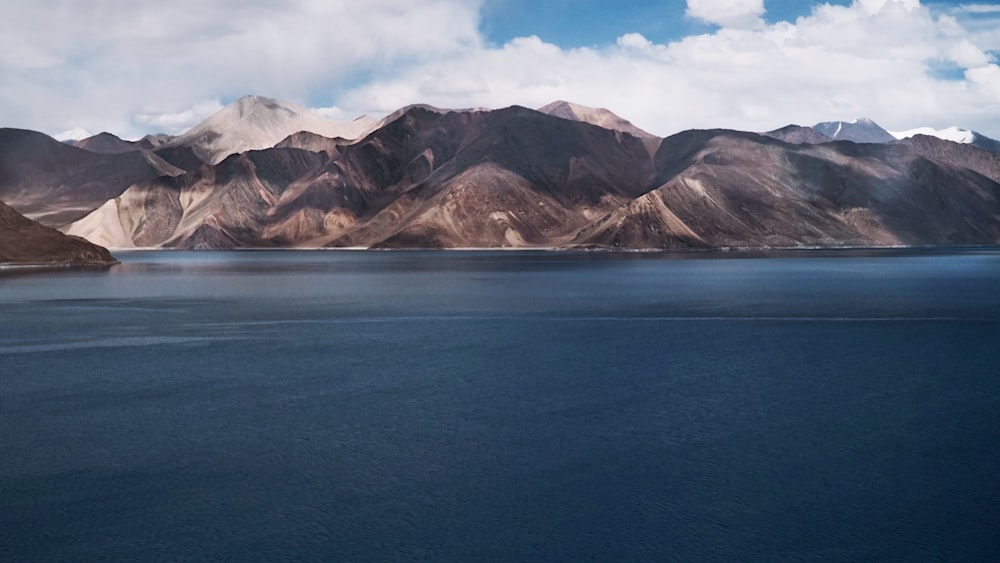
(861, 130)
(23, 241)
(595, 116)
(106, 143)
(955, 135)
(431, 178)
(55, 183)
(797, 135)
(254, 123)
(729, 189)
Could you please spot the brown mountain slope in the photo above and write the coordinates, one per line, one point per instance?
(723, 188)
(554, 168)
(23, 241)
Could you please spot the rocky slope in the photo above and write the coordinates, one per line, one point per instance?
(26, 242)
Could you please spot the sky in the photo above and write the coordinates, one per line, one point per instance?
(70, 68)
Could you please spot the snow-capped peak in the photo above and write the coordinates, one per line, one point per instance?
(74, 134)
(954, 134)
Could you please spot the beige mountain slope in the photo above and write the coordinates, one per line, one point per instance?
(595, 116)
(255, 123)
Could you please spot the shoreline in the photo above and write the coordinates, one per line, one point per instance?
(721, 249)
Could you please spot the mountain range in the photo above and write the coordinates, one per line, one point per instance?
(265, 173)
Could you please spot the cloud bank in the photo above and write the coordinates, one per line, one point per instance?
(138, 67)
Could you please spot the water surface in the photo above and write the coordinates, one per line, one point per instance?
(502, 406)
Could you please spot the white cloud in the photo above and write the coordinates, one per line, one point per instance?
(74, 134)
(164, 66)
(69, 63)
(178, 122)
(839, 62)
(979, 8)
(967, 55)
(727, 13)
(634, 41)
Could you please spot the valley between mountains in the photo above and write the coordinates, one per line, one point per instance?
(265, 173)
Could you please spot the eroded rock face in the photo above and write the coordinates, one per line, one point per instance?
(23, 241)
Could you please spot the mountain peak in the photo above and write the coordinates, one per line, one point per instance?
(860, 130)
(798, 135)
(600, 117)
(258, 122)
(953, 134)
(248, 106)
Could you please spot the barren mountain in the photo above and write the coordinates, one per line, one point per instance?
(595, 116)
(798, 135)
(106, 143)
(55, 183)
(725, 188)
(254, 123)
(512, 177)
(23, 241)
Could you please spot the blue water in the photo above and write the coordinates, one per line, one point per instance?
(515, 406)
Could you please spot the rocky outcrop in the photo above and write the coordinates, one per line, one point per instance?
(26, 242)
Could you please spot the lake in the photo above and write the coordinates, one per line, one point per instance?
(514, 406)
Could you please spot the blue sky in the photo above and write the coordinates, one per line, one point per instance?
(581, 23)
(69, 68)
